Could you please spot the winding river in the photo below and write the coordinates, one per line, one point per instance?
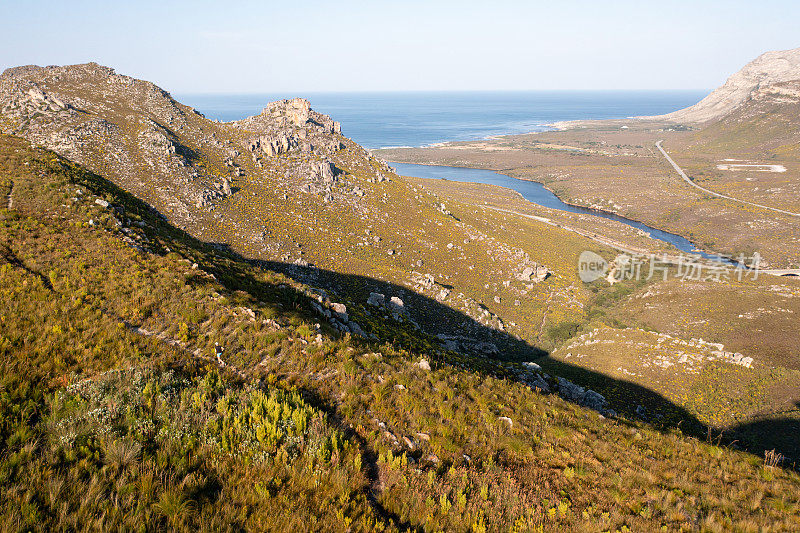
(537, 194)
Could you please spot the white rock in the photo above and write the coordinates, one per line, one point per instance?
(424, 364)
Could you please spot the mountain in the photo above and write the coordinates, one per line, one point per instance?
(286, 186)
(288, 191)
(135, 132)
(767, 69)
(376, 337)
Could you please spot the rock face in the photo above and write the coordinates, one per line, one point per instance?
(768, 69)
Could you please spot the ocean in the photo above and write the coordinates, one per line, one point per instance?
(379, 120)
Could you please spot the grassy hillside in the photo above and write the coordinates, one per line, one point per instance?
(364, 221)
(116, 415)
(287, 191)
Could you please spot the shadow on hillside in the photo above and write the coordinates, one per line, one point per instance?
(632, 401)
(625, 397)
(432, 316)
(780, 434)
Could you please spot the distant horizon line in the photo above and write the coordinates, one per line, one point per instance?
(427, 91)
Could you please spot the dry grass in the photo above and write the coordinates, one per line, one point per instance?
(104, 426)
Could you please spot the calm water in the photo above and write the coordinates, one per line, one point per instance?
(377, 120)
(537, 194)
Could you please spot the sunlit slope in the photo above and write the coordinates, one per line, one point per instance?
(116, 414)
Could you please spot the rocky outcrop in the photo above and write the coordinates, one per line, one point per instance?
(535, 273)
(393, 305)
(531, 374)
(297, 110)
(137, 135)
(324, 171)
(337, 316)
(768, 69)
(461, 343)
(319, 178)
(34, 100)
(290, 116)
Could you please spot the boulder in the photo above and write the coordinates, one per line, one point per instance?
(570, 391)
(486, 348)
(423, 364)
(327, 171)
(426, 281)
(448, 343)
(534, 273)
(340, 309)
(539, 384)
(376, 299)
(356, 329)
(594, 400)
(585, 397)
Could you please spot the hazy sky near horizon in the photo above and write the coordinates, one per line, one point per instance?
(249, 47)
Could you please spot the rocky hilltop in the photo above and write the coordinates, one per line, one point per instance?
(767, 69)
(137, 133)
(283, 186)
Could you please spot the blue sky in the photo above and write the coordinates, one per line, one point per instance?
(306, 45)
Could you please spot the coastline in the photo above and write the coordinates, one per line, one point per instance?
(550, 127)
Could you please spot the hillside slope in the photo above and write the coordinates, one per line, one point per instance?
(116, 415)
(286, 189)
(765, 127)
(285, 186)
(767, 69)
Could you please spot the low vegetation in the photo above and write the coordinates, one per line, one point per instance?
(115, 414)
